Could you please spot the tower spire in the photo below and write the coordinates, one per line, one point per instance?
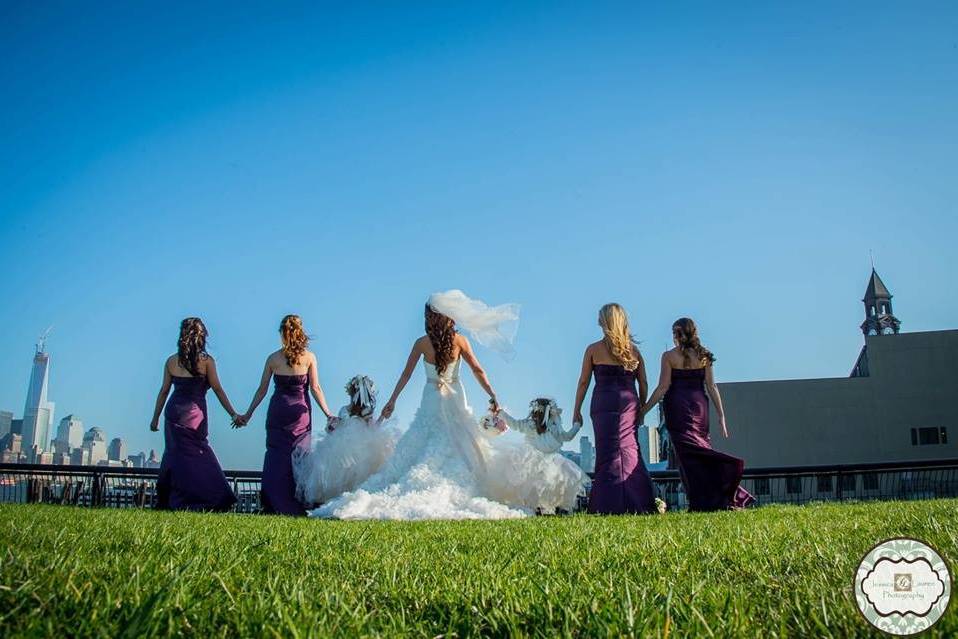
(42, 340)
(879, 318)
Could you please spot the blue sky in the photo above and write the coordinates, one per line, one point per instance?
(342, 161)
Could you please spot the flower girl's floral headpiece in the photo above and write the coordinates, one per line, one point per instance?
(548, 410)
(362, 396)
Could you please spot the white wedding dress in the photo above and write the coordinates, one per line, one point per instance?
(444, 467)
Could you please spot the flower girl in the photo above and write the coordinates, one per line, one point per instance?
(559, 481)
(355, 446)
(543, 427)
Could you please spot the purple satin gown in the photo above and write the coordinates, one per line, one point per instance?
(711, 478)
(190, 476)
(288, 427)
(621, 483)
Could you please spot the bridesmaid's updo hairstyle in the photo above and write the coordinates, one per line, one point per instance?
(192, 344)
(441, 331)
(295, 339)
(686, 333)
(616, 335)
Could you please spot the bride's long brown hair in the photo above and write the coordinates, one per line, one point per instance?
(686, 333)
(441, 331)
(295, 339)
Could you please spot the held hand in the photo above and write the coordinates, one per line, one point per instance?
(155, 425)
(577, 418)
(331, 422)
(240, 420)
(494, 407)
(388, 410)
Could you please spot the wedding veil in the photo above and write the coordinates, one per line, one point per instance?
(494, 327)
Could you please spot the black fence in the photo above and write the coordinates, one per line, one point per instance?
(116, 487)
(930, 479)
(106, 486)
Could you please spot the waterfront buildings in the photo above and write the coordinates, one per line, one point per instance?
(12, 445)
(117, 450)
(69, 435)
(6, 422)
(94, 441)
(586, 455)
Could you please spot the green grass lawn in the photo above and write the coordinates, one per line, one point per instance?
(771, 572)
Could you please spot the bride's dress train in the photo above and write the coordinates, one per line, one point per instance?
(444, 467)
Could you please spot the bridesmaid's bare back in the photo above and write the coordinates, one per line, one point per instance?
(279, 366)
(176, 370)
(677, 360)
(601, 355)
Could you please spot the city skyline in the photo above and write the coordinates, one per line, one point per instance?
(71, 444)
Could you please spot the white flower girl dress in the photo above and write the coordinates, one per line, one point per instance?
(348, 454)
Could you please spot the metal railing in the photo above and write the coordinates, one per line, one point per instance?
(106, 486)
(117, 487)
(909, 480)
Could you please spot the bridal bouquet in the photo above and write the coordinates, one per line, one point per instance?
(493, 424)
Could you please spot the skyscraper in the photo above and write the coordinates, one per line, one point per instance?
(94, 442)
(69, 434)
(80, 456)
(586, 455)
(6, 422)
(38, 412)
(11, 453)
(648, 440)
(138, 460)
(117, 450)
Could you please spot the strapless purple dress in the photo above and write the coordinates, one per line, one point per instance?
(190, 476)
(288, 427)
(621, 483)
(711, 478)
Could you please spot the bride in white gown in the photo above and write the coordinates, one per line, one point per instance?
(445, 465)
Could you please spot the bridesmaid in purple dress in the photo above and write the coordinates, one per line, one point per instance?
(288, 419)
(711, 478)
(190, 475)
(621, 483)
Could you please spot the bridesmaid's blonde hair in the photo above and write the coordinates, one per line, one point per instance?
(295, 339)
(616, 335)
